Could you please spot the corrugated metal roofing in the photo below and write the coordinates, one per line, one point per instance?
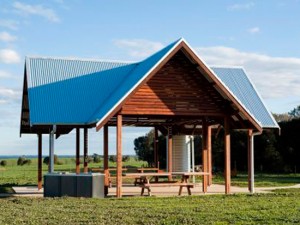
(43, 71)
(66, 91)
(73, 91)
(236, 80)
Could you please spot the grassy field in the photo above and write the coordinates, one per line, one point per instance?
(280, 207)
(13, 175)
(262, 180)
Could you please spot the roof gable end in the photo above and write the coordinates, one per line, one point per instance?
(140, 74)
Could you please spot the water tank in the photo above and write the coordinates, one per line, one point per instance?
(181, 153)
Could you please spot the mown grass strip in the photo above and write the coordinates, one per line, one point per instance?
(278, 208)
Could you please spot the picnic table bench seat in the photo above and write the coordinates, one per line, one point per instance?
(164, 184)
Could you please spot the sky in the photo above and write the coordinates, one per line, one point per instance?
(261, 36)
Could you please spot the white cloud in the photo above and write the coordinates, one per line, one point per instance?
(7, 92)
(8, 95)
(9, 56)
(253, 30)
(139, 47)
(11, 24)
(2, 101)
(4, 74)
(275, 77)
(7, 37)
(244, 6)
(38, 10)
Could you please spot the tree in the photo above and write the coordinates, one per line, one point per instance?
(125, 158)
(96, 158)
(282, 117)
(3, 163)
(144, 149)
(56, 161)
(112, 158)
(295, 113)
(21, 161)
(289, 145)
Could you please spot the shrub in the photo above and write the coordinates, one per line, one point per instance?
(125, 158)
(56, 160)
(96, 158)
(112, 158)
(46, 160)
(59, 162)
(27, 161)
(89, 159)
(3, 163)
(21, 160)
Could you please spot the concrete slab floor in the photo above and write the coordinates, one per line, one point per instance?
(131, 190)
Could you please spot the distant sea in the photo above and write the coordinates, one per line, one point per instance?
(32, 156)
(35, 156)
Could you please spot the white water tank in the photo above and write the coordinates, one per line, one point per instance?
(181, 153)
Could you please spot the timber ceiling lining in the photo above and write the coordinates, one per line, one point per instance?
(178, 88)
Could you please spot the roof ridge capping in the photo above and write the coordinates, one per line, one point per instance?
(171, 47)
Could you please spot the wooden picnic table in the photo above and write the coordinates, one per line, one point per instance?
(143, 169)
(102, 170)
(185, 176)
(146, 177)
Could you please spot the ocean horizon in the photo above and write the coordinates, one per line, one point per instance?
(35, 156)
(32, 156)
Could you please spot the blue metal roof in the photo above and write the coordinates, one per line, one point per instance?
(67, 91)
(239, 84)
(80, 92)
(41, 71)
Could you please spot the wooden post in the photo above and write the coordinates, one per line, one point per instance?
(85, 150)
(77, 150)
(170, 147)
(155, 147)
(209, 155)
(40, 177)
(105, 158)
(204, 154)
(227, 172)
(119, 156)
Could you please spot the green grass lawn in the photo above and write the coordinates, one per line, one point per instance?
(13, 175)
(262, 180)
(282, 207)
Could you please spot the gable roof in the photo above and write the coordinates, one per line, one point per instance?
(58, 89)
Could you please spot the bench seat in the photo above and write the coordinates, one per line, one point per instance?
(164, 184)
